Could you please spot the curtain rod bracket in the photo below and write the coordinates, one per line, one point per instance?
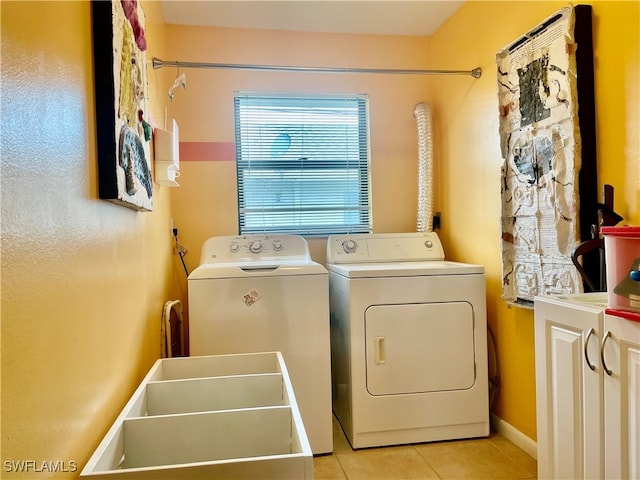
(158, 63)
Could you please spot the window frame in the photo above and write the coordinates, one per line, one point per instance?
(362, 165)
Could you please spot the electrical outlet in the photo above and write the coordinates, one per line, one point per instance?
(436, 221)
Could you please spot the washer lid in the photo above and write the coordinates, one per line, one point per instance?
(257, 269)
(405, 269)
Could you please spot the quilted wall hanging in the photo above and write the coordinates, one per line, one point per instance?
(123, 132)
(547, 141)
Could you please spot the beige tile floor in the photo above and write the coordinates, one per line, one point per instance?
(492, 458)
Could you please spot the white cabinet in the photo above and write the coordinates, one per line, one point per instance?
(569, 393)
(587, 420)
(621, 364)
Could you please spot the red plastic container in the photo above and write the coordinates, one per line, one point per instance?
(622, 253)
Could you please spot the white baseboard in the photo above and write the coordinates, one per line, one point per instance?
(514, 435)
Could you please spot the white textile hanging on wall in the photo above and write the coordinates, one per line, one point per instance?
(541, 150)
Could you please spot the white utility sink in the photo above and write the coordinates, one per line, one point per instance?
(210, 417)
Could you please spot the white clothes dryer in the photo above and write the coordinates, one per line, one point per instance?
(408, 340)
(258, 293)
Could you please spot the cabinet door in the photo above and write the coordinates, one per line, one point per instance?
(569, 392)
(621, 357)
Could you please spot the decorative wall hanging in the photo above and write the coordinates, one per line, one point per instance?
(119, 45)
(547, 143)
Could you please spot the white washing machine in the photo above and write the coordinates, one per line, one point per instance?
(258, 293)
(408, 340)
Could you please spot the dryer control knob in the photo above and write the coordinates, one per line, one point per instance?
(277, 245)
(255, 246)
(349, 246)
(234, 247)
(428, 244)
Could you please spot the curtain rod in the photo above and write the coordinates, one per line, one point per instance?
(157, 63)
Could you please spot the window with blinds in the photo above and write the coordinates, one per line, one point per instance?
(302, 164)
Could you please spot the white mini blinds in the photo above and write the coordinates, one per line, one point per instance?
(302, 163)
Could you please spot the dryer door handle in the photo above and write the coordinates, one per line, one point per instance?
(380, 351)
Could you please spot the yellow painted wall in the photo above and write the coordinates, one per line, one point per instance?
(84, 281)
(468, 156)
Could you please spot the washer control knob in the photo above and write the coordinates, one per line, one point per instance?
(349, 246)
(277, 245)
(234, 247)
(255, 246)
(428, 244)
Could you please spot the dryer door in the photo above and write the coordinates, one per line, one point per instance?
(419, 348)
